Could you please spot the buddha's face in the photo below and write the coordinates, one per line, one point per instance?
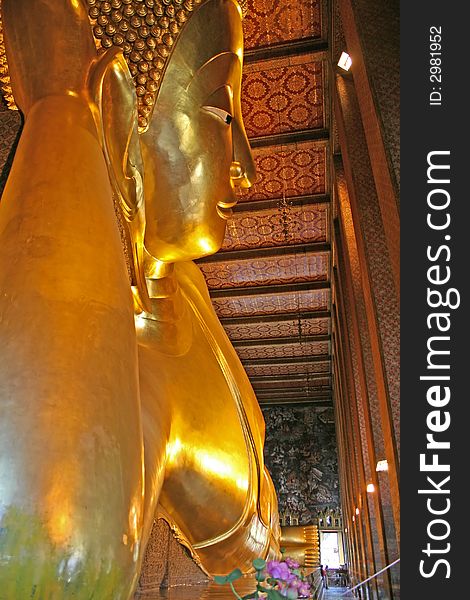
(195, 151)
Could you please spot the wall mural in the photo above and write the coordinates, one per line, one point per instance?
(300, 453)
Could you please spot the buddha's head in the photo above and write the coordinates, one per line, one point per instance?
(186, 61)
(173, 125)
(195, 149)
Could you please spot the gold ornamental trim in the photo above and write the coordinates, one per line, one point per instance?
(4, 75)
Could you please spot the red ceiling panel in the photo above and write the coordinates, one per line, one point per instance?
(287, 268)
(278, 96)
(273, 21)
(264, 228)
(283, 351)
(292, 369)
(279, 329)
(291, 170)
(266, 304)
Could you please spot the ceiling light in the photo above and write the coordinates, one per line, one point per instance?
(382, 465)
(345, 61)
(370, 488)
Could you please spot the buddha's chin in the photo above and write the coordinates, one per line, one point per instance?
(224, 213)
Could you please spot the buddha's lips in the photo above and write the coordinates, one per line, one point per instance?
(223, 212)
(224, 209)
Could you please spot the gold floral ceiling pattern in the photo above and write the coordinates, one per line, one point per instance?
(292, 170)
(286, 370)
(278, 329)
(264, 271)
(269, 304)
(273, 21)
(279, 96)
(264, 228)
(284, 350)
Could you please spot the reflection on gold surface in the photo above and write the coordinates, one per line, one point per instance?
(119, 389)
(212, 591)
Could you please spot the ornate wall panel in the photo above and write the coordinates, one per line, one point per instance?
(264, 228)
(283, 351)
(278, 96)
(294, 170)
(300, 453)
(272, 21)
(289, 268)
(266, 304)
(279, 329)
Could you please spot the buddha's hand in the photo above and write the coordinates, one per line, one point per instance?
(50, 48)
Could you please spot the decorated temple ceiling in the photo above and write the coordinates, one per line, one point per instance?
(289, 329)
(264, 228)
(289, 170)
(270, 22)
(292, 302)
(283, 94)
(287, 268)
(270, 282)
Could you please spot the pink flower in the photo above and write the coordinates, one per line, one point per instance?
(291, 563)
(304, 590)
(278, 570)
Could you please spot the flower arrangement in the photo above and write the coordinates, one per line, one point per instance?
(275, 580)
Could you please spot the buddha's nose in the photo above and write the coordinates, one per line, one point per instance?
(239, 176)
(242, 169)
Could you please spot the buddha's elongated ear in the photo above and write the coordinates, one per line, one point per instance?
(113, 93)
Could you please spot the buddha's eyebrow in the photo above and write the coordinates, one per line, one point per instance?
(214, 58)
(209, 63)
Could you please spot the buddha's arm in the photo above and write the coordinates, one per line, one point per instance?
(71, 487)
(264, 524)
(216, 490)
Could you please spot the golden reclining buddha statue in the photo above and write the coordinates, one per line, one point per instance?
(121, 397)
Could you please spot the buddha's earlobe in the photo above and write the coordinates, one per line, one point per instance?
(113, 94)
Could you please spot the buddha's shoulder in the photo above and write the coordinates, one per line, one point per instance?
(191, 280)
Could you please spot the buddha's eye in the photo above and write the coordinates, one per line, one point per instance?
(225, 116)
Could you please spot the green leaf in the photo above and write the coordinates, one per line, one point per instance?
(272, 581)
(260, 576)
(275, 595)
(235, 574)
(221, 579)
(252, 595)
(259, 564)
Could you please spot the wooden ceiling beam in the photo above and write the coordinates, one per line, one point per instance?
(273, 318)
(222, 256)
(279, 341)
(315, 46)
(279, 288)
(250, 205)
(319, 134)
(302, 360)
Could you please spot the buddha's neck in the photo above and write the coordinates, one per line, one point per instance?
(164, 291)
